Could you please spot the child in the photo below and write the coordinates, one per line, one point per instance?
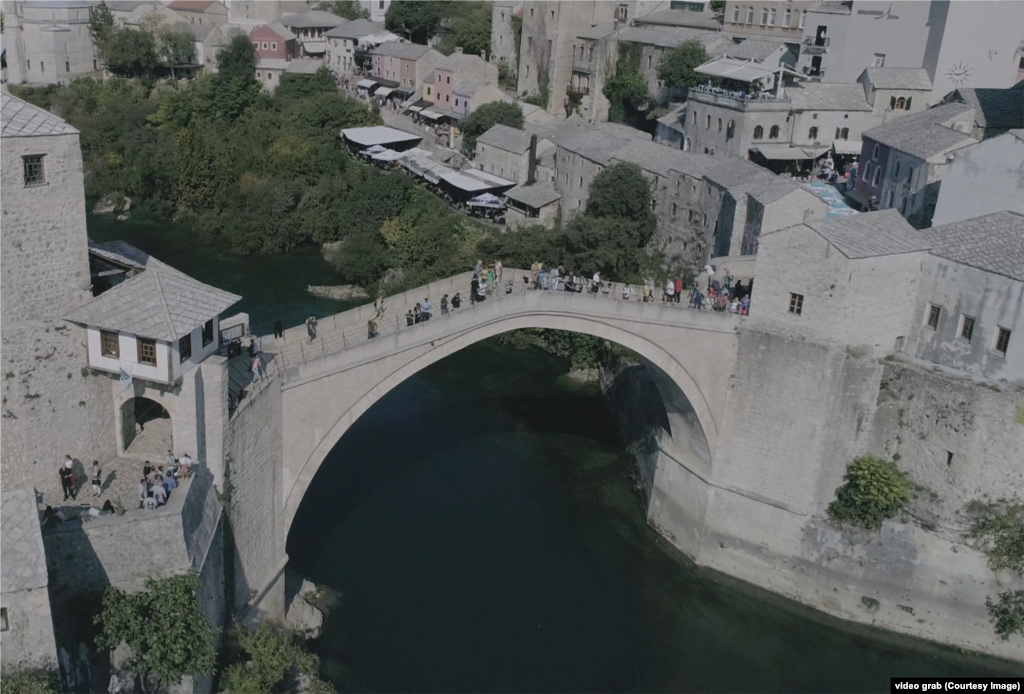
(97, 478)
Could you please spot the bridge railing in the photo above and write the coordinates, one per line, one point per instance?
(340, 331)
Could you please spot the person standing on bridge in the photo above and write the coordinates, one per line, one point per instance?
(371, 329)
(473, 287)
(379, 307)
(444, 305)
(311, 328)
(497, 269)
(426, 308)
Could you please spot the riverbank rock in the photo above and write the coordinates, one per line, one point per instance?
(340, 292)
(113, 202)
(585, 375)
(329, 249)
(302, 616)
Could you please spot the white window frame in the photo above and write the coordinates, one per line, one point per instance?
(736, 15)
(771, 17)
(750, 15)
(764, 16)
(803, 19)
(787, 18)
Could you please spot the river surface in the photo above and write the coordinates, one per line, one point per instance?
(480, 529)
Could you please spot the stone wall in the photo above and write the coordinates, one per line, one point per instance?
(253, 472)
(29, 636)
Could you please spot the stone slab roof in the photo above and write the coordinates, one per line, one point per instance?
(913, 78)
(408, 51)
(159, 303)
(993, 242)
(598, 31)
(506, 138)
(753, 49)
(303, 67)
(870, 235)
(355, 29)
(999, 109)
(281, 30)
(652, 37)
(923, 134)
(312, 19)
(537, 195)
(681, 18)
(457, 61)
(740, 177)
(22, 557)
(21, 119)
(192, 5)
(825, 96)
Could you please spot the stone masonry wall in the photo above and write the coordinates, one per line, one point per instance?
(254, 459)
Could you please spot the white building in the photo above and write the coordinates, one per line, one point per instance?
(378, 9)
(156, 323)
(48, 42)
(349, 46)
(983, 178)
(895, 91)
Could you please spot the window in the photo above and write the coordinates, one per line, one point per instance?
(787, 17)
(879, 59)
(264, 45)
(874, 178)
(896, 169)
(67, 66)
(903, 205)
(3, 619)
(35, 175)
(208, 332)
(650, 60)
(909, 99)
(892, 103)
(707, 124)
(456, 101)
(185, 348)
(446, 97)
(735, 15)
(730, 129)
(933, 316)
(622, 13)
(771, 17)
(874, 153)
(581, 181)
(764, 16)
(719, 125)
(531, 11)
(812, 134)
(109, 345)
(448, 79)
(750, 15)
(42, 66)
(758, 132)
(837, 133)
(773, 134)
(910, 177)
(803, 18)
(796, 303)
(95, 66)
(695, 118)
(888, 199)
(844, 134)
(867, 170)
(1002, 340)
(259, 75)
(552, 14)
(674, 210)
(273, 45)
(686, 145)
(901, 104)
(147, 351)
(28, 64)
(966, 327)
(529, 40)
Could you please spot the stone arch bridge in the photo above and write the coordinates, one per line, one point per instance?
(329, 382)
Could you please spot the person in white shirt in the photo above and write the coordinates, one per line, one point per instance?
(186, 465)
(670, 290)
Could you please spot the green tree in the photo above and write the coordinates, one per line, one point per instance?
(163, 625)
(468, 26)
(176, 45)
(42, 680)
(237, 60)
(873, 491)
(132, 52)
(347, 9)
(101, 28)
(621, 190)
(627, 89)
(487, 116)
(677, 67)
(1007, 613)
(419, 20)
(265, 656)
(195, 185)
(295, 87)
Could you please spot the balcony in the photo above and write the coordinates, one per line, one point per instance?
(581, 65)
(705, 93)
(811, 41)
(577, 90)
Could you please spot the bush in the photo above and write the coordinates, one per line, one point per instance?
(36, 680)
(874, 491)
(1007, 613)
(998, 531)
(487, 116)
(264, 658)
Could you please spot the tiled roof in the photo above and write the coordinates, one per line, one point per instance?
(457, 61)
(753, 49)
(21, 119)
(681, 18)
(127, 5)
(303, 67)
(598, 31)
(537, 195)
(159, 303)
(998, 109)
(899, 78)
(22, 557)
(281, 30)
(825, 96)
(923, 134)
(311, 19)
(355, 29)
(994, 242)
(870, 235)
(408, 51)
(192, 5)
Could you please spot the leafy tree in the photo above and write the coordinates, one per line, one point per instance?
(627, 89)
(1007, 613)
(176, 44)
(347, 9)
(873, 491)
(42, 680)
(295, 87)
(487, 116)
(611, 245)
(468, 26)
(998, 531)
(522, 247)
(266, 655)
(237, 60)
(194, 184)
(419, 20)
(101, 28)
(163, 625)
(677, 67)
(621, 190)
(132, 52)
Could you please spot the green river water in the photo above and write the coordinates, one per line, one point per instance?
(481, 532)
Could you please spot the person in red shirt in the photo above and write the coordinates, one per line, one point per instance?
(679, 288)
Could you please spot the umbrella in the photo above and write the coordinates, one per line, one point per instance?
(486, 200)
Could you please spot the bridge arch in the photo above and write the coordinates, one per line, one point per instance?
(693, 426)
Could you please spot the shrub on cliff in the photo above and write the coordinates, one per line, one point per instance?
(1007, 613)
(874, 490)
(264, 657)
(998, 531)
(30, 681)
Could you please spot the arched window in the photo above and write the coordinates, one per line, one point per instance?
(712, 153)
(695, 118)
(903, 205)
(874, 153)
(773, 134)
(892, 103)
(867, 170)
(909, 99)
(812, 134)
(719, 125)
(896, 170)
(758, 132)
(901, 103)
(707, 124)
(845, 134)
(874, 179)
(910, 177)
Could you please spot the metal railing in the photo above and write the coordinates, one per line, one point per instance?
(341, 331)
(737, 95)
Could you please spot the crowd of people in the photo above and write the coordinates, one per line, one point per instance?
(159, 481)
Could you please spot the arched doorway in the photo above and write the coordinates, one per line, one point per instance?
(146, 429)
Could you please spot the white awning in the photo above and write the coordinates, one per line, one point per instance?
(365, 84)
(847, 146)
(736, 69)
(415, 109)
(464, 182)
(388, 155)
(383, 91)
(432, 115)
(378, 135)
(495, 181)
(785, 152)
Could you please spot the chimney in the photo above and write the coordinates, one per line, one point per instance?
(531, 171)
(458, 50)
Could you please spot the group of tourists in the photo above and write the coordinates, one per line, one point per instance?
(158, 482)
(485, 280)
(259, 369)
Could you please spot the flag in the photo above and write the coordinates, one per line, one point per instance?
(125, 379)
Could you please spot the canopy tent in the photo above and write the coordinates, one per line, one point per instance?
(383, 91)
(388, 155)
(380, 135)
(847, 146)
(464, 183)
(419, 152)
(366, 84)
(423, 167)
(787, 153)
(735, 69)
(432, 115)
(486, 200)
(375, 149)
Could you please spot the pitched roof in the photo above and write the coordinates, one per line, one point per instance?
(199, 31)
(753, 49)
(192, 5)
(826, 96)
(355, 29)
(128, 5)
(456, 61)
(21, 119)
(408, 51)
(899, 78)
(159, 303)
(681, 18)
(279, 29)
(598, 31)
(537, 195)
(313, 19)
(303, 67)
(870, 235)
(923, 134)
(23, 560)
(998, 109)
(993, 242)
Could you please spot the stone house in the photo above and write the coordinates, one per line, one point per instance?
(48, 43)
(895, 91)
(270, 70)
(274, 40)
(349, 45)
(503, 38)
(209, 41)
(782, 21)
(473, 94)
(201, 11)
(983, 178)
(405, 63)
(457, 70)
(310, 28)
(130, 12)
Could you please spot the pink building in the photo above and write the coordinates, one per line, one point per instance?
(457, 69)
(273, 41)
